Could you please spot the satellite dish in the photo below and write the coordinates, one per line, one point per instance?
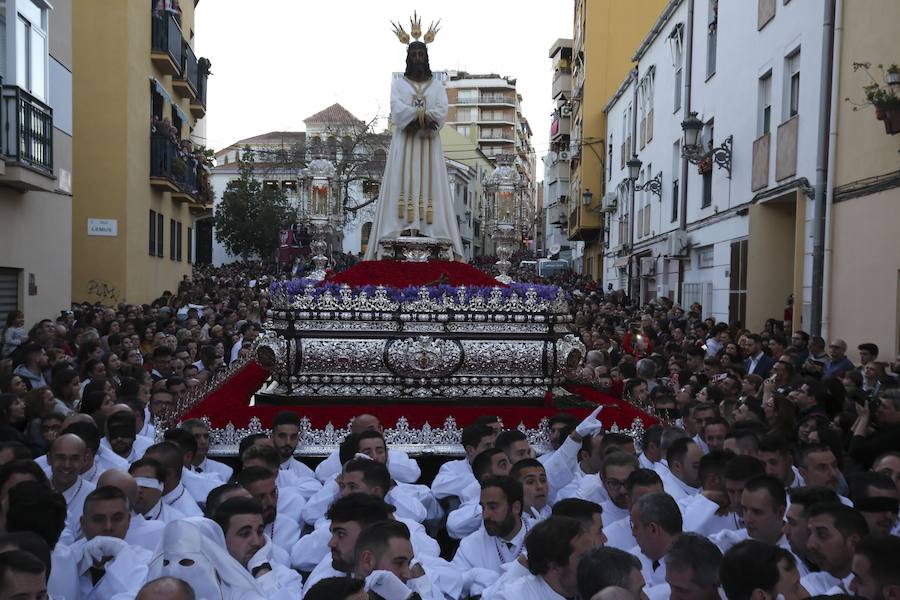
(555, 249)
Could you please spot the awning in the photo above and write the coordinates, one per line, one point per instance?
(181, 114)
(158, 87)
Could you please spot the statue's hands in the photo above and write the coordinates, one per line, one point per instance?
(412, 127)
(431, 124)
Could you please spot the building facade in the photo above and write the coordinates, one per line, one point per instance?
(862, 245)
(142, 181)
(728, 221)
(487, 109)
(36, 167)
(280, 157)
(605, 34)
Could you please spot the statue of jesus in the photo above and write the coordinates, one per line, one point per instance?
(414, 199)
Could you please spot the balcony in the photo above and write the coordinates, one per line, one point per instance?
(176, 171)
(198, 103)
(562, 83)
(27, 141)
(585, 224)
(760, 172)
(166, 44)
(185, 84)
(489, 99)
(560, 127)
(488, 135)
(786, 148)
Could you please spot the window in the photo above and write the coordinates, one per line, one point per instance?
(676, 175)
(705, 257)
(712, 27)
(708, 137)
(31, 48)
(152, 232)
(676, 45)
(792, 72)
(178, 242)
(764, 116)
(190, 245)
(172, 239)
(289, 187)
(160, 233)
(270, 186)
(464, 130)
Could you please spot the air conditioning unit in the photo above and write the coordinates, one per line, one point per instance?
(677, 243)
(648, 266)
(566, 110)
(610, 202)
(565, 156)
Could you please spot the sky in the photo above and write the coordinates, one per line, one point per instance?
(284, 60)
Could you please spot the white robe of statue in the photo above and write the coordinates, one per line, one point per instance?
(415, 189)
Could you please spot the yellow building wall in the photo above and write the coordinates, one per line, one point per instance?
(770, 264)
(862, 303)
(613, 31)
(111, 48)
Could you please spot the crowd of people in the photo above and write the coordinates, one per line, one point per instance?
(773, 472)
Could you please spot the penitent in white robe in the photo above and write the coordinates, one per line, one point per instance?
(415, 189)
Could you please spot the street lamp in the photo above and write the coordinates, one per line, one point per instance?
(587, 196)
(321, 210)
(692, 147)
(634, 168)
(691, 128)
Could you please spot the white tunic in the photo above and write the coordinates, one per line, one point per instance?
(415, 188)
(489, 552)
(530, 587)
(400, 465)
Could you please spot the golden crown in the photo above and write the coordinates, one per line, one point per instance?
(415, 30)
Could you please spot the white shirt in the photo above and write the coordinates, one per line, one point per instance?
(703, 445)
(452, 478)
(530, 587)
(74, 496)
(322, 570)
(612, 513)
(223, 471)
(592, 488)
(485, 551)
(284, 533)
(71, 579)
(676, 487)
(618, 534)
(144, 533)
(138, 448)
(400, 466)
(163, 513)
(313, 547)
(306, 483)
(824, 583)
(700, 516)
(652, 576)
(181, 500)
(198, 486)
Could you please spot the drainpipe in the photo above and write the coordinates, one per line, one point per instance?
(832, 157)
(822, 160)
(634, 96)
(686, 108)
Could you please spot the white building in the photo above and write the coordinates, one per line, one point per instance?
(333, 133)
(751, 72)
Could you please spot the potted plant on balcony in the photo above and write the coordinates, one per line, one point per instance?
(882, 95)
(179, 168)
(705, 165)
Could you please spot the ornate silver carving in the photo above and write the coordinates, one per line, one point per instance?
(427, 440)
(416, 249)
(342, 356)
(423, 356)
